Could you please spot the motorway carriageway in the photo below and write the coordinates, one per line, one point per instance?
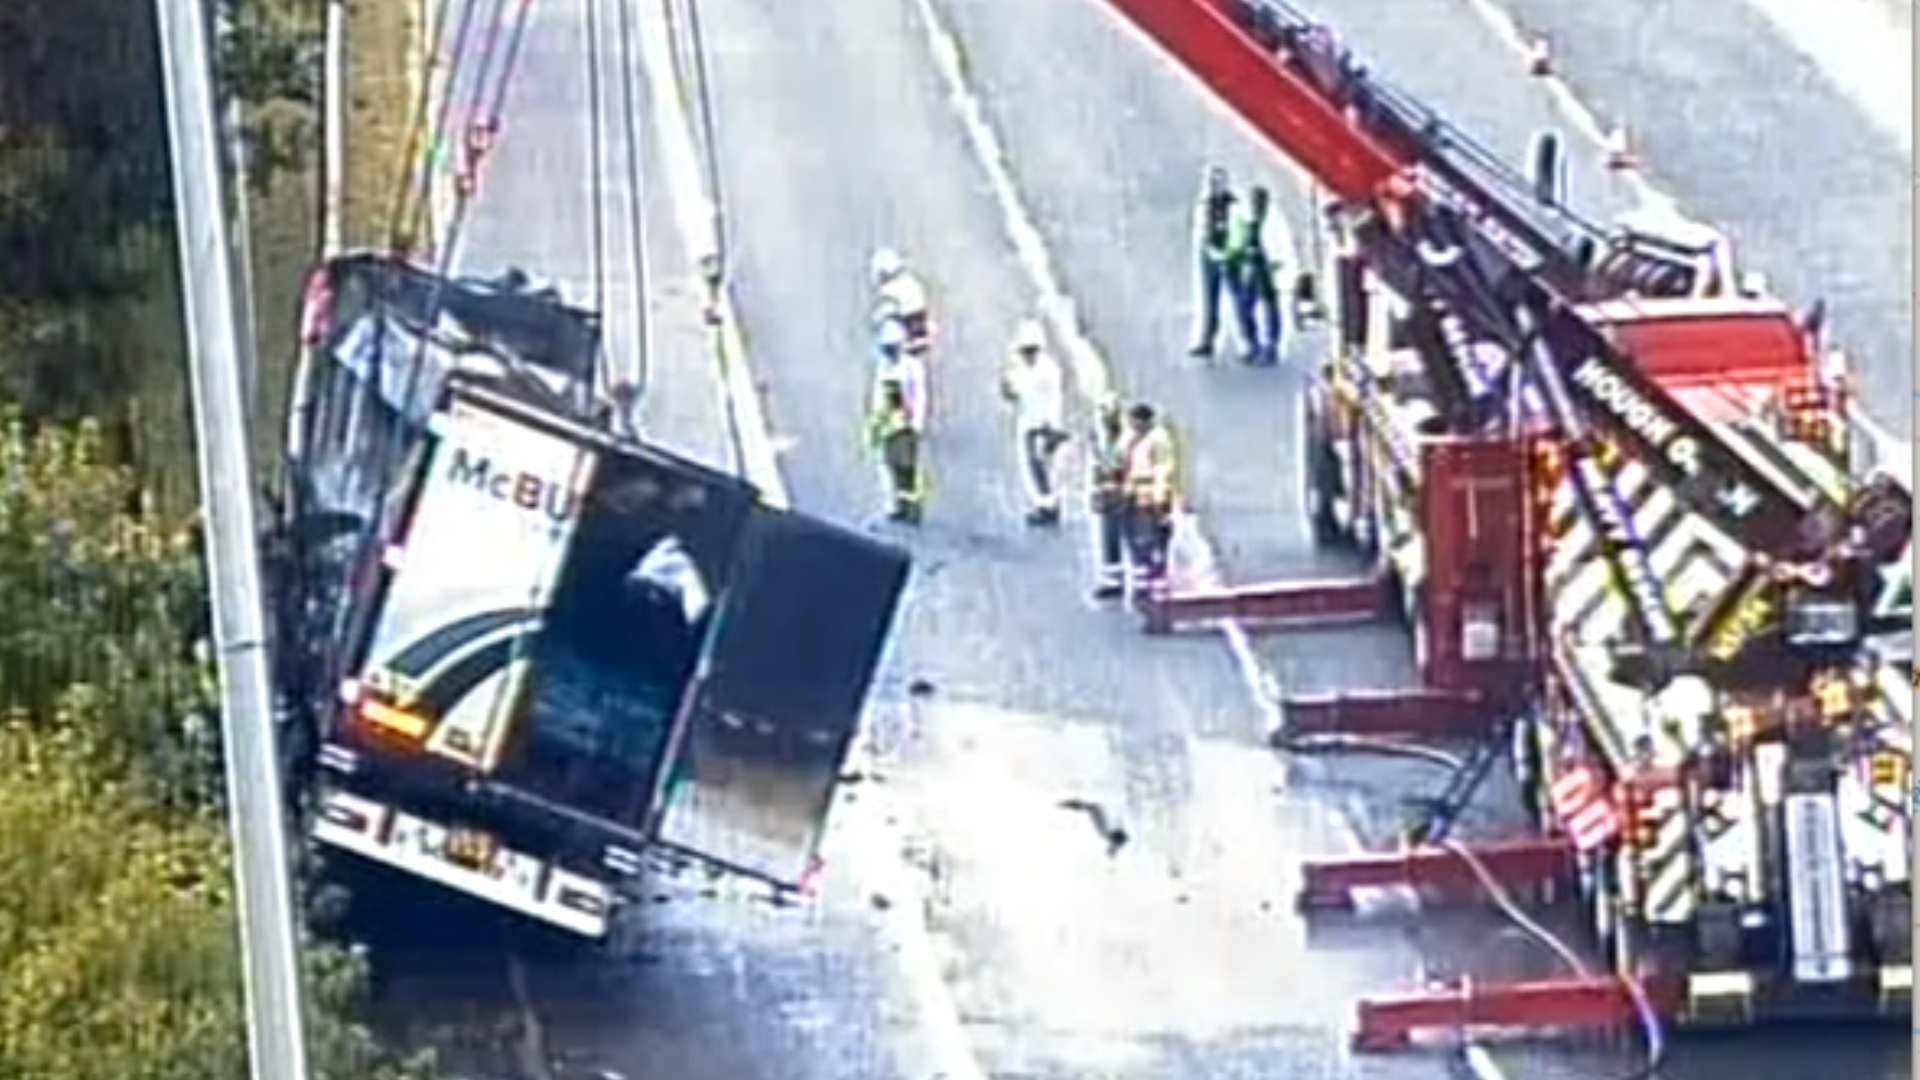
(1058, 157)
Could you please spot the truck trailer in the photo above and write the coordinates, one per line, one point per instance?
(530, 646)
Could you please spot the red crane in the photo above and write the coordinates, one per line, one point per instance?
(1605, 330)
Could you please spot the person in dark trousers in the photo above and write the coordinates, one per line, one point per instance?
(1108, 468)
(1152, 470)
(1256, 293)
(896, 421)
(1213, 235)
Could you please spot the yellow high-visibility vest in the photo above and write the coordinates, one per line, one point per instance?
(1152, 467)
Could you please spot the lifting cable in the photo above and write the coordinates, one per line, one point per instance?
(688, 40)
(596, 179)
(426, 127)
(703, 99)
(484, 104)
(636, 211)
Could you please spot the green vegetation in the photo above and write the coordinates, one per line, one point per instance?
(385, 53)
(118, 946)
(118, 951)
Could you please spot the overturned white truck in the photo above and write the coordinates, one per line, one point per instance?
(525, 646)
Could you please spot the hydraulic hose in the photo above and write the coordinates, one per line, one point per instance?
(1652, 1030)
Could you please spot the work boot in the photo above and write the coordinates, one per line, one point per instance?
(1145, 592)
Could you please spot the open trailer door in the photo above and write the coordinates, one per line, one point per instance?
(770, 715)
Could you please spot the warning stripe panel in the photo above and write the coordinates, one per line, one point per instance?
(1668, 866)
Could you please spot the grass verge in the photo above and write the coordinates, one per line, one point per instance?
(383, 51)
(285, 239)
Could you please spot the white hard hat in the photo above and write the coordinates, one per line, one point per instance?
(1029, 335)
(892, 334)
(886, 263)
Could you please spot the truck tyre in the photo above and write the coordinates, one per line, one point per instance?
(1321, 474)
(1413, 608)
(1530, 785)
(1365, 526)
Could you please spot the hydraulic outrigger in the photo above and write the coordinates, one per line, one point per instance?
(1481, 254)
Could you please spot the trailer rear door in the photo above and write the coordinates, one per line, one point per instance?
(770, 716)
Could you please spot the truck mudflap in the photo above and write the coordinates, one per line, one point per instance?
(767, 723)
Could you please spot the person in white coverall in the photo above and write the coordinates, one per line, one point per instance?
(900, 298)
(1034, 386)
(898, 295)
(896, 421)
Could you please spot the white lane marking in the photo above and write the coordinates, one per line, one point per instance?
(1582, 119)
(1092, 375)
(873, 847)
(1890, 452)
(693, 213)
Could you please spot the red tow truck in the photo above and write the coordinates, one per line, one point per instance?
(1609, 488)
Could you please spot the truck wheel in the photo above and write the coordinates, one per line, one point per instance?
(1602, 910)
(1413, 608)
(1890, 919)
(1366, 520)
(1527, 767)
(1322, 489)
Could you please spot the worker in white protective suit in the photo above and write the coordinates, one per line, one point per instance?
(896, 421)
(899, 295)
(1034, 386)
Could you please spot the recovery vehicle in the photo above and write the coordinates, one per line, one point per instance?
(527, 646)
(1611, 488)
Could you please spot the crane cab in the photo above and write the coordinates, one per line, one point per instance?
(1405, 466)
(1656, 252)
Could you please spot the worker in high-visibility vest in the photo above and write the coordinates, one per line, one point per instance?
(1213, 216)
(1254, 270)
(1107, 495)
(896, 420)
(1152, 470)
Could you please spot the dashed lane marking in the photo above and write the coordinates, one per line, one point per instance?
(1818, 42)
(1092, 374)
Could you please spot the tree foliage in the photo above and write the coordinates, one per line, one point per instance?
(118, 947)
(88, 296)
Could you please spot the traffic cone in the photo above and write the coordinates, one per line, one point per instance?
(1620, 155)
(1539, 58)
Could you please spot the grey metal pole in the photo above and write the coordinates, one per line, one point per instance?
(334, 124)
(235, 138)
(276, 1040)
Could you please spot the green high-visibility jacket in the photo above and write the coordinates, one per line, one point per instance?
(1250, 247)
